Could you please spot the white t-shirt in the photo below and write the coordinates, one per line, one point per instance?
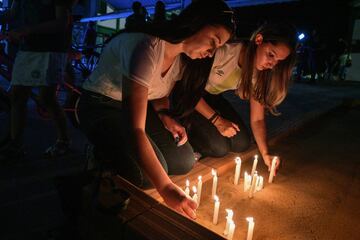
(136, 57)
(225, 72)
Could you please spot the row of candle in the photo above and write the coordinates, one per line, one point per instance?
(252, 182)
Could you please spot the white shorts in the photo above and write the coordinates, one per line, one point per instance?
(38, 68)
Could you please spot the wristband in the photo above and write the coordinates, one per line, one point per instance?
(211, 119)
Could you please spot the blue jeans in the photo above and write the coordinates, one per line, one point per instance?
(104, 122)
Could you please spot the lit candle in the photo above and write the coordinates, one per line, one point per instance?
(199, 189)
(229, 217)
(213, 192)
(237, 170)
(216, 210)
(254, 165)
(260, 183)
(272, 169)
(195, 196)
(253, 184)
(250, 228)
(231, 230)
(187, 189)
(247, 181)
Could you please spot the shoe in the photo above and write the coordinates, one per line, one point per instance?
(60, 148)
(197, 156)
(11, 151)
(109, 199)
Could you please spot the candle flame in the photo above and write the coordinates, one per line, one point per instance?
(229, 211)
(199, 178)
(256, 157)
(216, 198)
(250, 219)
(238, 160)
(187, 183)
(213, 172)
(194, 189)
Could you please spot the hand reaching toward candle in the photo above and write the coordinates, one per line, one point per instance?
(225, 127)
(268, 159)
(176, 198)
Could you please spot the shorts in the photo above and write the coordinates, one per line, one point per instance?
(38, 68)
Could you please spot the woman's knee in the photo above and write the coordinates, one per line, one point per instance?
(181, 161)
(219, 147)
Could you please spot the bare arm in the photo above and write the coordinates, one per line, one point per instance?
(224, 126)
(258, 127)
(135, 101)
(137, 106)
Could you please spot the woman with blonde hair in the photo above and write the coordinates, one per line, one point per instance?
(258, 70)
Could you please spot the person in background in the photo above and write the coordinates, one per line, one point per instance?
(137, 20)
(160, 13)
(258, 70)
(124, 106)
(44, 38)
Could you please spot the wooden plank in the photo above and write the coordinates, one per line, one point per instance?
(199, 169)
(139, 201)
(160, 222)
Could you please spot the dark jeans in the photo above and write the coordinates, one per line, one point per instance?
(207, 140)
(103, 121)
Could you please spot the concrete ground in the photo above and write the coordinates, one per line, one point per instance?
(31, 204)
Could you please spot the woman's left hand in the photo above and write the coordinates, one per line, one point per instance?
(176, 129)
(268, 159)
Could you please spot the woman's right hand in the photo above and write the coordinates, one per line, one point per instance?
(176, 198)
(226, 127)
(175, 128)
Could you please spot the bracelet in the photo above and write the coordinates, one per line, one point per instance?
(211, 119)
(214, 117)
(217, 117)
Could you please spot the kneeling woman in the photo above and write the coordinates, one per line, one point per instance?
(259, 70)
(124, 96)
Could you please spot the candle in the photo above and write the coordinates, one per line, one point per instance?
(216, 210)
(187, 189)
(213, 192)
(231, 230)
(272, 169)
(247, 181)
(260, 183)
(253, 184)
(237, 170)
(229, 217)
(250, 228)
(195, 196)
(254, 165)
(199, 189)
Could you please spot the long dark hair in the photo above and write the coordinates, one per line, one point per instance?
(191, 20)
(271, 85)
(197, 15)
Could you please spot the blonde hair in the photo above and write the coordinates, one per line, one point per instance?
(271, 85)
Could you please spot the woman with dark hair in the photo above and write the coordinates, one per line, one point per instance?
(259, 70)
(123, 110)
